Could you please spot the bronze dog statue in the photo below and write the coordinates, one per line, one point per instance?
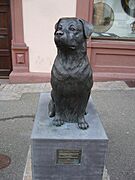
(71, 75)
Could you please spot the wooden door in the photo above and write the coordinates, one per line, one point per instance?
(5, 39)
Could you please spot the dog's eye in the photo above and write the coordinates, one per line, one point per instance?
(72, 28)
(59, 27)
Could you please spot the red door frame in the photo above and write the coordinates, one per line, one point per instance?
(20, 60)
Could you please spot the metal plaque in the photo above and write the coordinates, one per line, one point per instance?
(65, 156)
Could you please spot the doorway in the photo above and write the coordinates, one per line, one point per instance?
(5, 39)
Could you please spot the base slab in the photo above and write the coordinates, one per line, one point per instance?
(67, 152)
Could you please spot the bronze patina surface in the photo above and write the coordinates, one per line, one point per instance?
(71, 75)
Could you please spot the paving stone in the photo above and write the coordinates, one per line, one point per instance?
(110, 85)
(15, 91)
(2, 86)
(9, 96)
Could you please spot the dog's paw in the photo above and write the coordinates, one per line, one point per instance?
(82, 124)
(58, 122)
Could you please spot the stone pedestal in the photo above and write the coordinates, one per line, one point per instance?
(67, 152)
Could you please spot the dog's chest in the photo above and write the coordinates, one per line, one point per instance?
(76, 72)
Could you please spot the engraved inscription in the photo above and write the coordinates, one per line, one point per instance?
(65, 156)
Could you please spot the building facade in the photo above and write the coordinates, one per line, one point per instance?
(27, 49)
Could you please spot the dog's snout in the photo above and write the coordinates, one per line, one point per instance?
(59, 33)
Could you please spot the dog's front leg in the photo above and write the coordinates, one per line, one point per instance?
(57, 120)
(82, 124)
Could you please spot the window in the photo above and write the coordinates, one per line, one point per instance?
(114, 19)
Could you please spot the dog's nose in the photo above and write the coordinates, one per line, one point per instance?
(59, 33)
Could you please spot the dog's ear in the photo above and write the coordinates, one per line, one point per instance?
(88, 28)
(56, 25)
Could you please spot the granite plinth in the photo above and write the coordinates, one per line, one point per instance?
(55, 149)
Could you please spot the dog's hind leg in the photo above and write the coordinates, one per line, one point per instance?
(51, 107)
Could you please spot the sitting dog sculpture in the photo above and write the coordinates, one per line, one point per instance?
(71, 75)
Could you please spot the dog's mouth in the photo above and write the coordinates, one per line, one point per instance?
(62, 43)
(72, 47)
(65, 46)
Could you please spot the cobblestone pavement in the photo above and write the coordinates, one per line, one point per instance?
(15, 91)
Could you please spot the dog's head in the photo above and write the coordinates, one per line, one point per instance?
(71, 33)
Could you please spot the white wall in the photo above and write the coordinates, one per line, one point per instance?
(39, 18)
